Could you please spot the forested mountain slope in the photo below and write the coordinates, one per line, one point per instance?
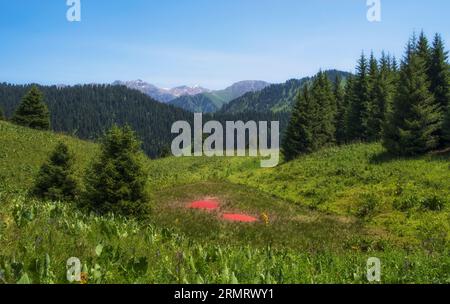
(88, 110)
(274, 98)
(210, 102)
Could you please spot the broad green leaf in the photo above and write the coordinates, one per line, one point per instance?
(24, 280)
(99, 249)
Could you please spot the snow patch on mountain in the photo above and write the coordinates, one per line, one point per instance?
(160, 94)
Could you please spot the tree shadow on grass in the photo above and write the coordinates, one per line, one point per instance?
(386, 157)
(441, 154)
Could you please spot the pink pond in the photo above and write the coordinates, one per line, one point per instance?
(239, 218)
(205, 205)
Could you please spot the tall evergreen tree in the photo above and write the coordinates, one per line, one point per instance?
(2, 115)
(446, 129)
(439, 74)
(32, 112)
(55, 180)
(389, 75)
(341, 111)
(322, 95)
(358, 109)
(373, 70)
(423, 50)
(313, 119)
(116, 181)
(381, 92)
(415, 117)
(394, 65)
(372, 106)
(299, 136)
(349, 96)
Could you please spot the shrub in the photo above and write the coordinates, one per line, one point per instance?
(433, 203)
(367, 206)
(406, 204)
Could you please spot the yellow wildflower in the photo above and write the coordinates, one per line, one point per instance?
(84, 278)
(265, 218)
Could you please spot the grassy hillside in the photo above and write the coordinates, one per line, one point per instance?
(328, 212)
(22, 151)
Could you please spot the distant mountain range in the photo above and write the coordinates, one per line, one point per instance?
(242, 97)
(159, 94)
(276, 98)
(210, 102)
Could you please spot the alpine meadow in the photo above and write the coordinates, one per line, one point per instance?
(92, 192)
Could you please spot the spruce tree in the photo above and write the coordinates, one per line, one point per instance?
(389, 75)
(373, 70)
(446, 129)
(380, 98)
(372, 105)
(55, 180)
(2, 115)
(32, 112)
(439, 75)
(341, 111)
(349, 97)
(423, 50)
(415, 117)
(358, 109)
(116, 180)
(394, 65)
(325, 123)
(299, 136)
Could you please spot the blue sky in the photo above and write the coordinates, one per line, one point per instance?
(211, 43)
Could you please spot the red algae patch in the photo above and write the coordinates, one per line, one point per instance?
(205, 205)
(239, 218)
(212, 204)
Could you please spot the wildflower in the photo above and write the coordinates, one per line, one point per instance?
(84, 278)
(265, 218)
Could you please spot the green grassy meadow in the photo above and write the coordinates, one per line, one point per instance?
(327, 213)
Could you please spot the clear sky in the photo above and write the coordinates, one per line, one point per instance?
(211, 43)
